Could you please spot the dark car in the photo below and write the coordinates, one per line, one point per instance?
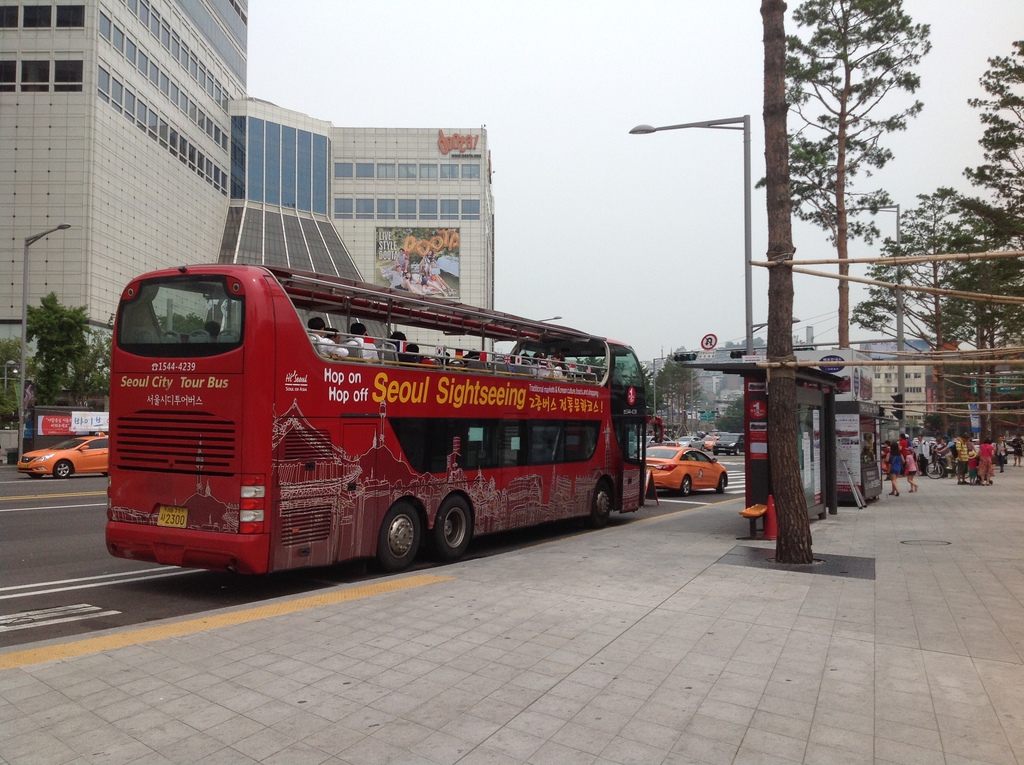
(729, 443)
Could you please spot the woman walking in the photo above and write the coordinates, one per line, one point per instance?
(892, 465)
(1001, 453)
(985, 453)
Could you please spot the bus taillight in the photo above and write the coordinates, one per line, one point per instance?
(253, 493)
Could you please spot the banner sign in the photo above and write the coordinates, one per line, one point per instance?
(423, 261)
(73, 424)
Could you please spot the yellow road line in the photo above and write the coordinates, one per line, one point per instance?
(49, 496)
(215, 621)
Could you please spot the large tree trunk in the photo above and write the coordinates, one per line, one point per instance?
(794, 533)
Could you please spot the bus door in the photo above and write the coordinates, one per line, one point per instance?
(363, 495)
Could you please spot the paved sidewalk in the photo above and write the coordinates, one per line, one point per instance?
(635, 644)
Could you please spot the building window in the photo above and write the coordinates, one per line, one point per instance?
(449, 209)
(35, 76)
(406, 209)
(471, 209)
(449, 171)
(117, 39)
(406, 171)
(343, 170)
(343, 208)
(386, 170)
(35, 16)
(428, 171)
(428, 208)
(8, 16)
(7, 76)
(364, 170)
(364, 209)
(71, 16)
(386, 209)
(67, 76)
(471, 171)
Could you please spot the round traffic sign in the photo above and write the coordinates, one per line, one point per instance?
(708, 342)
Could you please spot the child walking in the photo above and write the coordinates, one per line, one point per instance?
(910, 461)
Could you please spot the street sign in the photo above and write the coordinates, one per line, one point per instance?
(708, 342)
(707, 416)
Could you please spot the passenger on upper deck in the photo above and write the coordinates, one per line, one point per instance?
(324, 339)
(361, 346)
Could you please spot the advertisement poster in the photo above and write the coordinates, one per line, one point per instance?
(422, 261)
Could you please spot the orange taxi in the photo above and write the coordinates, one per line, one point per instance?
(82, 454)
(683, 469)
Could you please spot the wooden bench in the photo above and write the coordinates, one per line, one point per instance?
(753, 513)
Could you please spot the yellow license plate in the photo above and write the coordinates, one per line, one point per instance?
(173, 516)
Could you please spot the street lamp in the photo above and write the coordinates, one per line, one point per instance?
(29, 241)
(552, 318)
(901, 382)
(728, 124)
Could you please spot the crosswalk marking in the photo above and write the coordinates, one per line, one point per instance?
(46, 616)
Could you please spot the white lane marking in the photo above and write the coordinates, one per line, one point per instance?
(158, 575)
(47, 616)
(85, 579)
(51, 507)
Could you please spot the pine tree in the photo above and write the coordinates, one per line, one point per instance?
(857, 53)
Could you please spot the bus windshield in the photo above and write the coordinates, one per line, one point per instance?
(181, 317)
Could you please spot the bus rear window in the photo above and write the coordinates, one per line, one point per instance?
(181, 317)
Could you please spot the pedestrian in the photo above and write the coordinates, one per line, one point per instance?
(964, 454)
(985, 454)
(892, 465)
(1001, 453)
(1018, 449)
(910, 463)
(940, 453)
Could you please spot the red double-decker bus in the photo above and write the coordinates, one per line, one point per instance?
(245, 437)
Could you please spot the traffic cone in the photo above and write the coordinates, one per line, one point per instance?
(771, 526)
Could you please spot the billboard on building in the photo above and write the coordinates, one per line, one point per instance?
(424, 261)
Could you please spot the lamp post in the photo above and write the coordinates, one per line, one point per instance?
(901, 380)
(29, 241)
(550, 318)
(730, 123)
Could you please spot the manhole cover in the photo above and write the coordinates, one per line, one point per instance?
(925, 542)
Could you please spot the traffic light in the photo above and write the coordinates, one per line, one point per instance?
(897, 407)
(737, 354)
(685, 357)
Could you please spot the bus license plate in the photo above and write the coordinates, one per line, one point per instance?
(173, 516)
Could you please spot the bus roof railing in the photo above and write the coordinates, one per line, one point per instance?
(319, 292)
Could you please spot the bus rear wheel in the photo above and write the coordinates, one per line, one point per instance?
(601, 506)
(453, 528)
(399, 537)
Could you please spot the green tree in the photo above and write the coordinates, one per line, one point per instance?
(61, 344)
(90, 375)
(10, 350)
(676, 391)
(939, 225)
(731, 420)
(855, 54)
(1002, 174)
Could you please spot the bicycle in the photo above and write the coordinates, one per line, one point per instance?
(937, 468)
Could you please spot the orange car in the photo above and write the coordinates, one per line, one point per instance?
(83, 454)
(683, 469)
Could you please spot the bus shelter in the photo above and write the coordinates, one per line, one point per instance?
(816, 434)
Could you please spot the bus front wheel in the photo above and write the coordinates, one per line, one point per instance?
(601, 506)
(453, 528)
(399, 537)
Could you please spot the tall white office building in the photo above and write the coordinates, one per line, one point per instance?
(114, 119)
(130, 121)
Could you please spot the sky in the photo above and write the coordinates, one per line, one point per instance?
(634, 237)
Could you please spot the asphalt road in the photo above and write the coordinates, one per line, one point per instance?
(57, 580)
